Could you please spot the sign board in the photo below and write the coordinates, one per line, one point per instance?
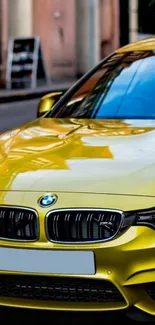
(25, 64)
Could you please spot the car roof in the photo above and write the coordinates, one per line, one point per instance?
(142, 45)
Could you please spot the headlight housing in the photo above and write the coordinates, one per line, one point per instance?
(145, 218)
(140, 218)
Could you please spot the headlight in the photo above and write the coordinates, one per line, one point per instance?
(145, 218)
(139, 218)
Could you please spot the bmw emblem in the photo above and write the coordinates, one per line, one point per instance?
(47, 200)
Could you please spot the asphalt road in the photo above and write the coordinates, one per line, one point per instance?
(19, 316)
(11, 116)
(18, 113)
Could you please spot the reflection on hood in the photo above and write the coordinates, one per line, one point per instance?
(79, 156)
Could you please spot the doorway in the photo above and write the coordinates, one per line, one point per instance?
(124, 22)
(146, 17)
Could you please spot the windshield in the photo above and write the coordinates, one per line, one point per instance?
(123, 87)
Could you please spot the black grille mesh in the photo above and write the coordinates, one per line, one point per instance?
(58, 289)
(18, 224)
(83, 225)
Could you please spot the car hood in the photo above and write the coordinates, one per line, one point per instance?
(71, 155)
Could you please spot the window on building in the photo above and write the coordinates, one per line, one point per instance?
(146, 17)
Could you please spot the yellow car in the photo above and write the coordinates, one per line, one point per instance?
(77, 195)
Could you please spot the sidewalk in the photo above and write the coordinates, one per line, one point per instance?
(7, 96)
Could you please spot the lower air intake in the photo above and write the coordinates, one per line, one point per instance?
(58, 289)
(150, 288)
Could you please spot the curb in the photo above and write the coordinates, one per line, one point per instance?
(15, 96)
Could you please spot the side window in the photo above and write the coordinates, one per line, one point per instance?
(85, 101)
(125, 81)
(118, 87)
(139, 99)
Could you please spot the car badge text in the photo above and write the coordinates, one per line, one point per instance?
(106, 224)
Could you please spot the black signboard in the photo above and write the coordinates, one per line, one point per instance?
(25, 64)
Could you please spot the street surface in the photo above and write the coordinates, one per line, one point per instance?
(17, 113)
(11, 116)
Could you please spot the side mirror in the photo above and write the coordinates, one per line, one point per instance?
(47, 102)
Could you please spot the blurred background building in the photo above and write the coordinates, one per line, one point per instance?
(75, 34)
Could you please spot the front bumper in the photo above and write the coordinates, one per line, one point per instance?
(127, 262)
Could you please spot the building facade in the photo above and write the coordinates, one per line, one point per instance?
(75, 34)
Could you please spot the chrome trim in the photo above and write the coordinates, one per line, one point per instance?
(84, 209)
(38, 224)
